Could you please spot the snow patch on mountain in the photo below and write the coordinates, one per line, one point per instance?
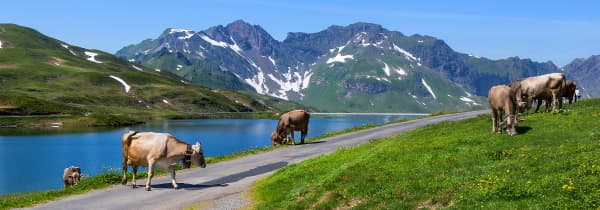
(428, 88)
(378, 78)
(340, 58)
(179, 66)
(258, 83)
(66, 47)
(175, 30)
(360, 38)
(386, 69)
(188, 34)
(165, 101)
(0, 44)
(92, 57)
(213, 42)
(468, 101)
(273, 61)
(125, 85)
(404, 52)
(137, 68)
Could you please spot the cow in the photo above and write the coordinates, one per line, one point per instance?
(539, 87)
(569, 91)
(502, 102)
(149, 149)
(296, 120)
(71, 176)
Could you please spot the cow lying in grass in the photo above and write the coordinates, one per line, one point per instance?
(149, 149)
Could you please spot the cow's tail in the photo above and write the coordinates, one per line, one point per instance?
(126, 141)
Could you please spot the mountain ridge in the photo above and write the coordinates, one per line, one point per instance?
(286, 69)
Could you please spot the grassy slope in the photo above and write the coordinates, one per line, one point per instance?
(552, 163)
(38, 76)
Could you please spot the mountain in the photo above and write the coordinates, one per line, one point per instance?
(40, 75)
(586, 72)
(360, 67)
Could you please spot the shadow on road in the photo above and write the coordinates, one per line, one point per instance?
(223, 181)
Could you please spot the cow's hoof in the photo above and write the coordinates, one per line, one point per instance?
(133, 186)
(176, 187)
(148, 189)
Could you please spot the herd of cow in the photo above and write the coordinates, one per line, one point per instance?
(149, 149)
(508, 101)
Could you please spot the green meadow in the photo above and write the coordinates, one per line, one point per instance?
(552, 164)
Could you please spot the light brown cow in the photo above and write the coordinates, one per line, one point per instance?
(296, 120)
(501, 100)
(71, 176)
(149, 149)
(568, 91)
(539, 87)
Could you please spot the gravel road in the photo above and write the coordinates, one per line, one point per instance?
(222, 185)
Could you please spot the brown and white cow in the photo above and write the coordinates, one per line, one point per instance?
(296, 120)
(539, 87)
(502, 101)
(71, 176)
(149, 149)
(568, 91)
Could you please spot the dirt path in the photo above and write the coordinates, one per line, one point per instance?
(222, 185)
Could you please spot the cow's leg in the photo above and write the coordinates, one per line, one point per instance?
(539, 103)
(134, 170)
(124, 178)
(303, 133)
(494, 121)
(560, 103)
(173, 181)
(151, 164)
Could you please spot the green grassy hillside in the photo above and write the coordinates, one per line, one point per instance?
(49, 81)
(552, 163)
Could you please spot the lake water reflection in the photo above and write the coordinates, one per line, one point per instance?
(36, 162)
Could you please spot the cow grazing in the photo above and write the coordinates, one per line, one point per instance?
(539, 87)
(149, 149)
(296, 120)
(569, 91)
(71, 176)
(503, 103)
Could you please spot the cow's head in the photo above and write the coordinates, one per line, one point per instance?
(275, 138)
(198, 155)
(76, 176)
(511, 127)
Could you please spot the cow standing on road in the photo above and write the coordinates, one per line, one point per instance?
(149, 149)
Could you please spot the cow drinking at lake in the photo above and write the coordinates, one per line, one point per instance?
(71, 176)
(503, 103)
(296, 120)
(149, 149)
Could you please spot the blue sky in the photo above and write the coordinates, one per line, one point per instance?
(540, 30)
